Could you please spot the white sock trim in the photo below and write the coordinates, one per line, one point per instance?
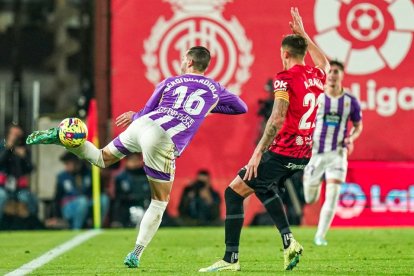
(159, 204)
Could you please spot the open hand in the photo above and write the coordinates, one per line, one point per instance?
(124, 119)
(296, 24)
(251, 167)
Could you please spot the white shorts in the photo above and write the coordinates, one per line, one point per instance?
(144, 135)
(333, 164)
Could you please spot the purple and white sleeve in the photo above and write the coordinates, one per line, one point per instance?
(153, 101)
(229, 104)
(356, 114)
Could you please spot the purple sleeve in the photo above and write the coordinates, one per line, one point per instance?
(229, 104)
(153, 101)
(356, 114)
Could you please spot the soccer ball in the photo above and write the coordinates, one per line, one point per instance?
(72, 132)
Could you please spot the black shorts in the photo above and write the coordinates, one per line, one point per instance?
(273, 170)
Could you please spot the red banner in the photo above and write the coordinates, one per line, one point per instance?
(377, 194)
(373, 38)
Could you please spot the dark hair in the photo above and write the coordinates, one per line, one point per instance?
(296, 45)
(11, 126)
(20, 141)
(203, 172)
(68, 157)
(200, 56)
(337, 63)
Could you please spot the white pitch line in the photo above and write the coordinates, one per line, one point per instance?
(53, 253)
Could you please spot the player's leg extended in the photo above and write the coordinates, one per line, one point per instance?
(49, 136)
(102, 158)
(88, 151)
(124, 144)
(312, 178)
(234, 196)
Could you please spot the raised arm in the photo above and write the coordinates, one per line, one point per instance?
(229, 104)
(316, 54)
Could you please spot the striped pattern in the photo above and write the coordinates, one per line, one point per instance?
(330, 136)
(284, 95)
(120, 146)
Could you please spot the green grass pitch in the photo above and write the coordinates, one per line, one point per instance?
(182, 251)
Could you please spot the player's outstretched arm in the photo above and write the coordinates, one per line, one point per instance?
(273, 125)
(229, 104)
(316, 54)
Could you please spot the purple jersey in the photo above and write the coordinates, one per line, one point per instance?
(180, 104)
(332, 119)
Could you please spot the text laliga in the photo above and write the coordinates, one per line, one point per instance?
(385, 100)
(396, 200)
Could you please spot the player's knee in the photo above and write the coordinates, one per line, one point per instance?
(309, 197)
(311, 194)
(107, 158)
(265, 197)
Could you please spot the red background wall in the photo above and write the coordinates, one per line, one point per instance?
(223, 143)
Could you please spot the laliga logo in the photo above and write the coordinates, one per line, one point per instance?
(199, 22)
(352, 200)
(365, 36)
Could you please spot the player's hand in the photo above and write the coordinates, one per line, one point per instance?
(125, 119)
(251, 167)
(349, 143)
(297, 24)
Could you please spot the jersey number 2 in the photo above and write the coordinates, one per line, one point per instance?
(308, 100)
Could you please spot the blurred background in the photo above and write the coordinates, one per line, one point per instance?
(58, 56)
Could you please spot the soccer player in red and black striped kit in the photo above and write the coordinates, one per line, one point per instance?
(285, 147)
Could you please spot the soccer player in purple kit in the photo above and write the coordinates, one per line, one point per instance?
(161, 131)
(331, 145)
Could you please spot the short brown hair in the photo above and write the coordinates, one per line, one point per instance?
(296, 45)
(200, 56)
(337, 63)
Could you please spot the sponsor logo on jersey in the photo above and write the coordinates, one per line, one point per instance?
(280, 85)
(293, 166)
(299, 140)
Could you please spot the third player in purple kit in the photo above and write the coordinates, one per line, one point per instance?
(161, 131)
(331, 145)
